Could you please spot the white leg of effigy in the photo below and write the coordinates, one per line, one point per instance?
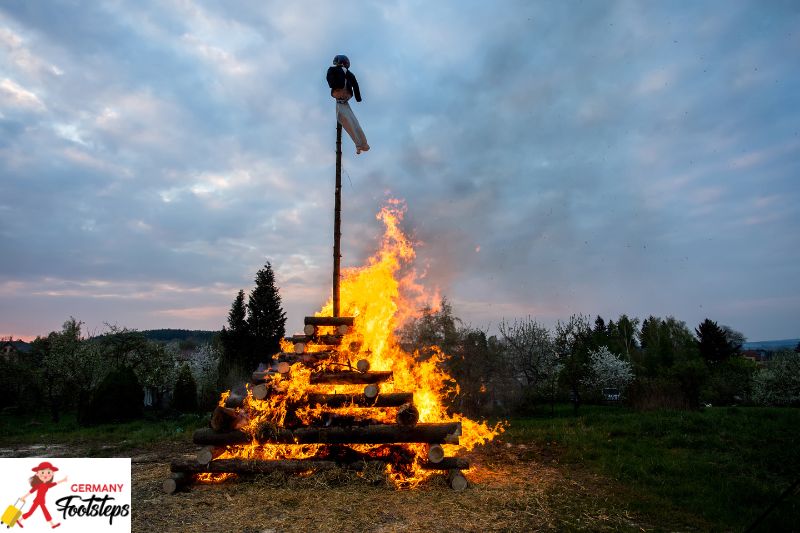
(348, 120)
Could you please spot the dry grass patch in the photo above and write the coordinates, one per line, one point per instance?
(510, 491)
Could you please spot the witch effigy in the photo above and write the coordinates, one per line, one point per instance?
(344, 86)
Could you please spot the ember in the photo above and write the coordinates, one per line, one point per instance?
(344, 394)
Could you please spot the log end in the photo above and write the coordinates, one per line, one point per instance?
(205, 456)
(176, 482)
(457, 480)
(435, 453)
(362, 365)
(169, 486)
(371, 391)
(260, 391)
(407, 415)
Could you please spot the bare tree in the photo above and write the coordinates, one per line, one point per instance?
(532, 355)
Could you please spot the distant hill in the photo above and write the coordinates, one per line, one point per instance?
(771, 346)
(197, 336)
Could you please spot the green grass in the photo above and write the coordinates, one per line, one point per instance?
(716, 470)
(722, 465)
(29, 430)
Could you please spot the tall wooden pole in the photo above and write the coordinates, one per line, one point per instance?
(337, 220)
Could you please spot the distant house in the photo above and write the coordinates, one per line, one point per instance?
(757, 356)
(11, 349)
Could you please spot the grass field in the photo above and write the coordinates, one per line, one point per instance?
(722, 465)
(607, 468)
(40, 430)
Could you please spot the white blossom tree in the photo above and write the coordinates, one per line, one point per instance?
(607, 370)
(779, 383)
(204, 362)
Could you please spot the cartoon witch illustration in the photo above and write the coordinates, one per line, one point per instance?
(41, 482)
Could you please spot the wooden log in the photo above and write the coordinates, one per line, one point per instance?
(281, 367)
(350, 378)
(328, 420)
(392, 399)
(310, 330)
(255, 466)
(260, 377)
(454, 437)
(432, 433)
(371, 391)
(362, 365)
(332, 340)
(188, 468)
(176, 482)
(343, 329)
(208, 454)
(354, 346)
(376, 434)
(207, 436)
(223, 418)
(260, 391)
(407, 415)
(299, 347)
(457, 480)
(447, 463)
(234, 400)
(308, 357)
(329, 320)
(435, 453)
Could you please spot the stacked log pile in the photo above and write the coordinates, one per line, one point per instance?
(225, 431)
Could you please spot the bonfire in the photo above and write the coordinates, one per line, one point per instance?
(344, 394)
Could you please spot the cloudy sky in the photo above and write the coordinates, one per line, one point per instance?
(556, 157)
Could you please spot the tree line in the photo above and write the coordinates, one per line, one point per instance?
(647, 364)
(121, 373)
(652, 363)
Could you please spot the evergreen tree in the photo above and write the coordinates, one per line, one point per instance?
(599, 333)
(237, 316)
(236, 344)
(266, 320)
(713, 342)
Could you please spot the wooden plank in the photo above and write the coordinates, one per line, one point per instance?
(329, 320)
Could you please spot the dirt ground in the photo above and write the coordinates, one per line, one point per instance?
(512, 488)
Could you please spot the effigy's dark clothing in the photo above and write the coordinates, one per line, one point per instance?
(339, 78)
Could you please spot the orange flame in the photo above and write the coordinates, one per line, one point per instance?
(381, 295)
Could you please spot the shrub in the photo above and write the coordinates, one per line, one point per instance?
(118, 398)
(730, 382)
(607, 370)
(647, 394)
(184, 396)
(779, 383)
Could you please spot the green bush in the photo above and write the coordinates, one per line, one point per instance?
(118, 398)
(184, 396)
(730, 382)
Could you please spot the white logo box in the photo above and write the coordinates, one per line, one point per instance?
(95, 497)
